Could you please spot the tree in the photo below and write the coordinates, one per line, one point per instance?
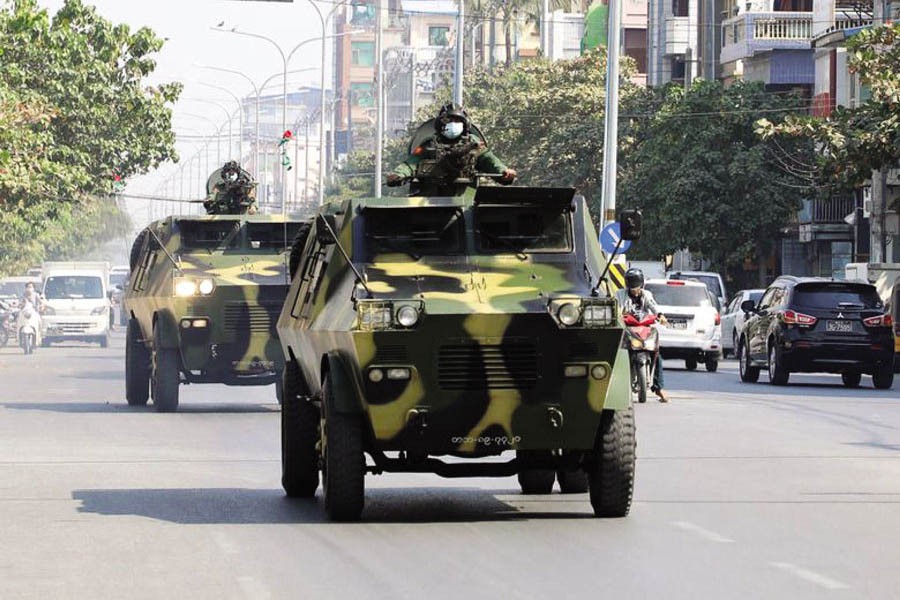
(705, 180)
(853, 142)
(75, 115)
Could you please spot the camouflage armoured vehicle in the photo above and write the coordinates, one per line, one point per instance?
(203, 299)
(425, 327)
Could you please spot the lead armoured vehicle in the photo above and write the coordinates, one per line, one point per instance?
(429, 327)
(203, 299)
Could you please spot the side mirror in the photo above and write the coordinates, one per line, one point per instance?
(748, 306)
(325, 231)
(630, 224)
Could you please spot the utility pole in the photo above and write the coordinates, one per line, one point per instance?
(545, 28)
(379, 97)
(460, 44)
(611, 118)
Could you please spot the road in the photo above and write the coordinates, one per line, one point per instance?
(743, 491)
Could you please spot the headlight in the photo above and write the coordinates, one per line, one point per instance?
(407, 316)
(206, 286)
(375, 315)
(98, 310)
(636, 344)
(185, 287)
(599, 315)
(568, 314)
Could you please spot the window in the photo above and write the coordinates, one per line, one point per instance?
(523, 228)
(438, 36)
(362, 13)
(836, 296)
(680, 8)
(208, 235)
(362, 54)
(414, 231)
(636, 47)
(362, 94)
(73, 287)
(667, 294)
(271, 236)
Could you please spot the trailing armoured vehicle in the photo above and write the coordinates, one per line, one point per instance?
(425, 327)
(203, 299)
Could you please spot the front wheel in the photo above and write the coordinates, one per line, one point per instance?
(778, 375)
(690, 364)
(137, 366)
(883, 378)
(572, 481)
(712, 365)
(165, 376)
(749, 373)
(4, 335)
(643, 382)
(343, 461)
(851, 379)
(28, 343)
(611, 478)
(299, 435)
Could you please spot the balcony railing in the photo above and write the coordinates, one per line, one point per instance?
(826, 211)
(748, 33)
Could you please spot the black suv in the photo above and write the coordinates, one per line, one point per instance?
(815, 325)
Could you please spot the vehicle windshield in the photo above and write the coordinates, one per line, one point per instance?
(268, 236)
(415, 231)
(73, 287)
(679, 295)
(711, 281)
(10, 289)
(118, 279)
(836, 295)
(523, 228)
(209, 235)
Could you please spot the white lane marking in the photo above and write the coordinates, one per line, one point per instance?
(225, 543)
(811, 576)
(706, 534)
(253, 588)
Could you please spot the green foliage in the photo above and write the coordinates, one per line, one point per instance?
(74, 114)
(854, 141)
(705, 180)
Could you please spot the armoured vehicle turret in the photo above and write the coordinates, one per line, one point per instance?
(203, 299)
(465, 326)
(230, 190)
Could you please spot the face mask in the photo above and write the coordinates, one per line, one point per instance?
(452, 130)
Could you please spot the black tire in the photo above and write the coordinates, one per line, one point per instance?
(137, 366)
(136, 246)
(572, 481)
(297, 248)
(778, 375)
(164, 376)
(611, 478)
(712, 365)
(642, 384)
(103, 341)
(28, 343)
(299, 435)
(4, 336)
(883, 378)
(851, 379)
(690, 364)
(344, 465)
(279, 389)
(749, 373)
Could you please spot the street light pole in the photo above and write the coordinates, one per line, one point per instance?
(240, 117)
(256, 91)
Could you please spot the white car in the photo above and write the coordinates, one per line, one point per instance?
(712, 280)
(694, 332)
(733, 319)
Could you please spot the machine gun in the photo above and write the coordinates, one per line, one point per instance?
(230, 190)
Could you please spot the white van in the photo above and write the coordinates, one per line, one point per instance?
(76, 302)
(712, 280)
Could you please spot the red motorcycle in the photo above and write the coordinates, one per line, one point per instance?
(643, 345)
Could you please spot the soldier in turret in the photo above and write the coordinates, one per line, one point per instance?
(446, 154)
(231, 190)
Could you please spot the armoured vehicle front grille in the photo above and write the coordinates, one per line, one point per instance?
(391, 354)
(583, 350)
(474, 367)
(251, 317)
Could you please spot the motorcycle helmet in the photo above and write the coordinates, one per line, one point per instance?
(634, 278)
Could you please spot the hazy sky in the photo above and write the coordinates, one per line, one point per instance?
(187, 23)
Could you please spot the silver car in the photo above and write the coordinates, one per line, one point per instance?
(693, 333)
(733, 319)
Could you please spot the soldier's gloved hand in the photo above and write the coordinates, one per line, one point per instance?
(508, 176)
(393, 180)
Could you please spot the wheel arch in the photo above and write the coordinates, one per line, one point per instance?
(345, 393)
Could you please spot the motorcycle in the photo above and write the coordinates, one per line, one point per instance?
(28, 328)
(7, 322)
(643, 345)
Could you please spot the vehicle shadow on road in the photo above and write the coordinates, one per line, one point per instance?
(211, 506)
(123, 407)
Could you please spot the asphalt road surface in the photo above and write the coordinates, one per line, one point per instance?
(743, 491)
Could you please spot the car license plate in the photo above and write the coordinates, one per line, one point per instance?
(839, 326)
(678, 324)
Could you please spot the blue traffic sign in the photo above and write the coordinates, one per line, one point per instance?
(609, 238)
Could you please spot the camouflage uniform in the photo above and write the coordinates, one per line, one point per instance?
(230, 190)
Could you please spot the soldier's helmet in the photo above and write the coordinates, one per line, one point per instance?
(449, 113)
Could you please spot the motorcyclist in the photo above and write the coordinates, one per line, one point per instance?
(31, 296)
(636, 300)
(461, 142)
